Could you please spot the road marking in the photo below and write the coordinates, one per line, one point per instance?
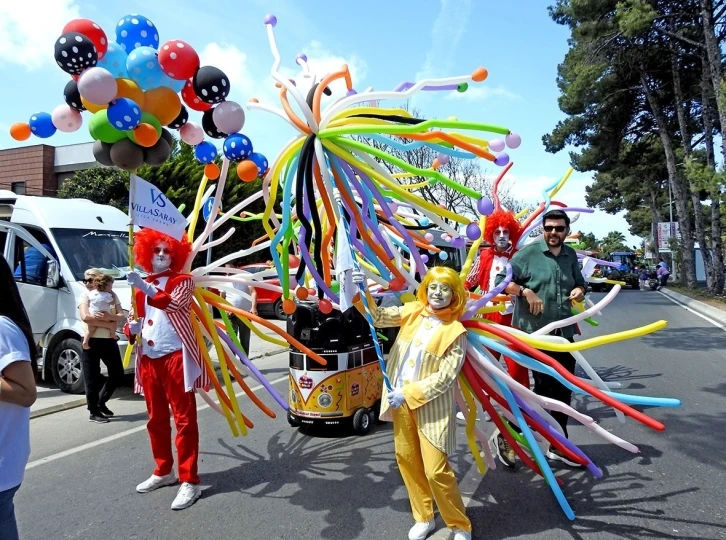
(684, 306)
(122, 434)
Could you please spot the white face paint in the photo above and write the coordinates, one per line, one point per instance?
(439, 295)
(501, 237)
(161, 260)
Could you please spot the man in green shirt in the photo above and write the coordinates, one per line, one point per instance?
(546, 279)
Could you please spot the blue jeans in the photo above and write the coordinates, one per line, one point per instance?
(8, 526)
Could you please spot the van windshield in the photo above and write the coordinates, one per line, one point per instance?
(90, 248)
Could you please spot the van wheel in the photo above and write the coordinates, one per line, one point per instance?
(292, 421)
(279, 313)
(66, 366)
(362, 421)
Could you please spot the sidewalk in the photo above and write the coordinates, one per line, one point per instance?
(51, 400)
(718, 315)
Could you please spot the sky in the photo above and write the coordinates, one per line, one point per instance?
(383, 42)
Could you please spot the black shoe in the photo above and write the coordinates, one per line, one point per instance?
(505, 452)
(98, 418)
(105, 411)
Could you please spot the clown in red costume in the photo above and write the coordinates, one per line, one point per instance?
(168, 361)
(502, 232)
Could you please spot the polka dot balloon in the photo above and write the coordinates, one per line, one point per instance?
(210, 128)
(181, 119)
(259, 160)
(210, 84)
(73, 96)
(114, 61)
(74, 52)
(124, 114)
(192, 100)
(92, 31)
(134, 31)
(66, 119)
(178, 59)
(205, 152)
(41, 125)
(143, 68)
(237, 147)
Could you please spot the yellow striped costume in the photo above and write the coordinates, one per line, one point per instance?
(424, 426)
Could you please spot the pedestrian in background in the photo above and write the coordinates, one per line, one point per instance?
(17, 393)
(242, 302)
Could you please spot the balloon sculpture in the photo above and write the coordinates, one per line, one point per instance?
(131, 87)
(337, 197)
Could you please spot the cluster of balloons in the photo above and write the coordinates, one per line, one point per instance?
(134, 88)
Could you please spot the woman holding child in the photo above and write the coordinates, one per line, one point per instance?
(101, 310)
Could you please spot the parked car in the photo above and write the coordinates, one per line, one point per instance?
(50, 243)
(268, 302)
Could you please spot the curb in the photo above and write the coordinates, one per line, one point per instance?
(701, 308)
(80, 402)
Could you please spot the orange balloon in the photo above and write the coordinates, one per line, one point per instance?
(146, 135)
(479, 74)
(288, 306)
(20, 131)
(247, 171)
(211, 171)
(163, 103)
(301, 293)
(93, 107)
(129, 89)
(436, 164)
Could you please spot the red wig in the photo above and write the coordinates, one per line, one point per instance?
(502, 218)
(147, 239)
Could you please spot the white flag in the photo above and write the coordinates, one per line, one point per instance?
(344, 266)
(149, 207)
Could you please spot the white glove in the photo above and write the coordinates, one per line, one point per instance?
(137, 282)
(135, 327)
(395, 398)
(359, 277)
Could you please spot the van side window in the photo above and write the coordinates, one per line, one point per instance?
(31, 265)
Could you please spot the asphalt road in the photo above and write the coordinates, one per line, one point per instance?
(278, 483)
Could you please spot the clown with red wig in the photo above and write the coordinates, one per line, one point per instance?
(169, 365)
(502, 232)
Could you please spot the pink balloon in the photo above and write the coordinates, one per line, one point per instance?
(191, 133)
(429, 237)
(66, 119)
(496, 145)
(97, 85)
(229, 117)
(513, 140)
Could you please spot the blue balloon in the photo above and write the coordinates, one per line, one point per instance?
(237, 147)
(424, 221)
(134, 31)
(205, 152)
(259, 160)
(114, 61)
(443, 255)
(143, 67)
(41, 124)
(172, 83)
(124, 114)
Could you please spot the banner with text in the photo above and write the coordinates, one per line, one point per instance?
(666, 231)
(149, 207)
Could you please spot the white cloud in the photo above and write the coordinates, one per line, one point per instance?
(29, 30)
(482, 93)
(234, 63)
(447, 31)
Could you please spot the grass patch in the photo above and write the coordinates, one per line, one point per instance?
(701, 295)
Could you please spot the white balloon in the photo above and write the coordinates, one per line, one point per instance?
(229, 117)
(191, 133)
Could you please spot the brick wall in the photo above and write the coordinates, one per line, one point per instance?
(33, 165)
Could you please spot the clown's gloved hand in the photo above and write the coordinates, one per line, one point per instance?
(359, 277)
(395, 398)
(135, 327)
(137, 282)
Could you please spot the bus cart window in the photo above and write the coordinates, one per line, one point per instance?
(331, 359)
(369, 355)
(297, 361)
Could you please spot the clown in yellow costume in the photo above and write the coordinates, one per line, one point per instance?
(423, 364)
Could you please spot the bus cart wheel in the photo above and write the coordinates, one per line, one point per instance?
(292, 420)
(362, 421)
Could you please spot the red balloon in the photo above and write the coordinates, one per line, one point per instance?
(396, 284)
(325, 306)
(191, 99)
(178, 59)
(92, 31)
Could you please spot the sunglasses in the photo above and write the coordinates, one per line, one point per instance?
(558, 228)
(84, 280)
(159, 250)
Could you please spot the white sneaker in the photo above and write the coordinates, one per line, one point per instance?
(461, 535)
(156, 482)
(186, 496)
(460, 416)
(421, 530)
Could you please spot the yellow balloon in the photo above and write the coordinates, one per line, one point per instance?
(129, 89)
(163, 103)
(93, 107)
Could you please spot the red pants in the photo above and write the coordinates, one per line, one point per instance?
(163, 383)
(518, 372)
